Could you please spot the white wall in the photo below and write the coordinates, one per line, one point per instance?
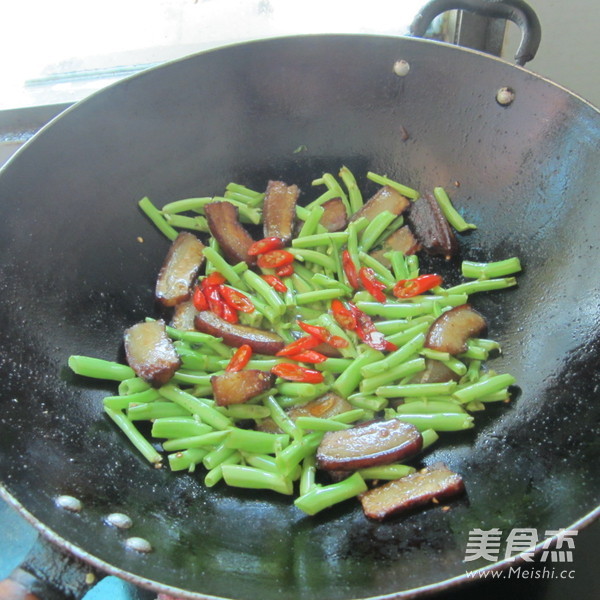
(569, 53)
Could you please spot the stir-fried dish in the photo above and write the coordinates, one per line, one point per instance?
(301, 349)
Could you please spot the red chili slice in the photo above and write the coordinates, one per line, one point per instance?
(344, 316)
(285, 271)
(240, 359)
(294, 372)
(309, 356)
(214, 279)
(323, 335)
(265, 245)
(377, 340)
(229, 314)
(215, 302)
(300, 345)
(275, 283)
(350, 269)
(236, 300)
(199, 299)
(372, 284)
(409, 288)
(275, 259)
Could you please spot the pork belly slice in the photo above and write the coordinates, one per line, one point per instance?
(236, 334)
(279, 210)
(368, 445)
(150, 352)
(240, 386)
(179, 270)
(386, 198)
(402, 240)
(431, 228)
(183, 316)
(335, 217)
(417, 489)
(231, 235)
(452, 329)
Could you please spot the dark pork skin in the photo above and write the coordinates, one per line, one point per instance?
(402, 240)
(368, 445)
(451, 330)
(231, 235)
(279, 210)
(431, 228)
(417, 489)
(241, 386)
(236, 335)
(150, 352)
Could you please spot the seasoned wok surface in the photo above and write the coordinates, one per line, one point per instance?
(528, 178)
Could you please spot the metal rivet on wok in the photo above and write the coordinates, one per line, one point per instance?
(401, 68)
(120, 520)
(138, 544)
(69, 503)
(505, 96)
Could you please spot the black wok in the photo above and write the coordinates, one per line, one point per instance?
(74, 275)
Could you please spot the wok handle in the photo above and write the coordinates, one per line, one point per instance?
(48, 574)
(517, 11)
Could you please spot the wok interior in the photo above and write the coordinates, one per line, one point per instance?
(74, 275)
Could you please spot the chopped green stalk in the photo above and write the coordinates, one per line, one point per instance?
(178, 427)
(216, 473)
(156, 217)
(263, 364)
(281, 418)
(132, 385)
(223, 267)
(482, 388)
(198, 223)
(192, 378)
(435, 354)
(412, 264)
(398, 264)
(482, 285)
(334, 365)
(336, 189)
(215, 344)
(375, 229)
(271, 297)
(349, 380)
(387, 472)
(156, 410)
(206, 440)
(404, 336)
(456, 365)
(482, 270)
(429, 407)
(416, 389)
(474, 352)
(404, 369)
(395, 310)
(186, 460)
(350, 416)
(489, 345)
(302, 390)
(123, 402)
(328, 195)
(312, 256)
(236, 188)
(395, 358)
(354, 195)
(473, 372)
(98, 368)
(258, 479)
(197, 406)
(439, 421)
(291, 456)
(239, 412)
(454, 217)
(430, 436)
(324, 281)
(249, 440)
(327, 321)
(197, 361)
(398, 325)
(320, 239)
(367, 402)
(194, 204)
(261, 461)
(305, 214)
(383, 272)
(319, 424)
(218, 456)
(354, 229)
(318, 296)
(502, 395)
(321, 497)
(134, 436)
(307, 476)
(402, 189)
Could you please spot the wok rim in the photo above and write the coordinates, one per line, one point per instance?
(79, 553)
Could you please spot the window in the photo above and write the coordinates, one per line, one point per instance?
(61, 51)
